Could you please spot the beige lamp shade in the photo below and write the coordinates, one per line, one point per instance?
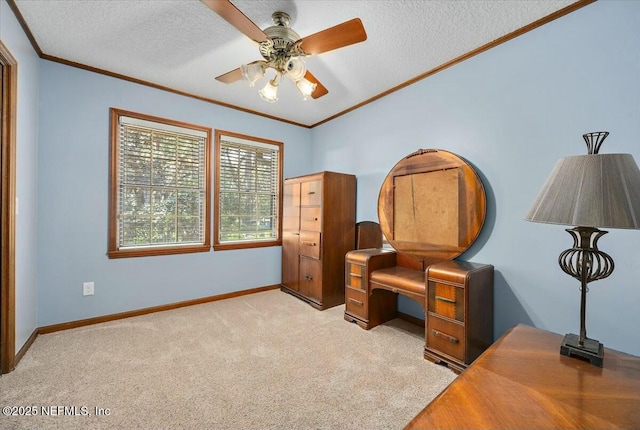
(589, 192)
(595, 190)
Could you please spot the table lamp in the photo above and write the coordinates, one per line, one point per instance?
(589, 192)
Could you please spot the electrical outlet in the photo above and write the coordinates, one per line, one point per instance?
(87, 288)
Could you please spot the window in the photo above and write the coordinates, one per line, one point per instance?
(248, 204)
(160, 186)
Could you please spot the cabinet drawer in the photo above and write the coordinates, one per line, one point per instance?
(446, 337)
(311, 193)
(310, 244)
(446, 300)
(356, 302)
(310, 219)
(355, 277)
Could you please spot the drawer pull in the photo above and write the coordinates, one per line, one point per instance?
(306, 242)
(311, 192)
(311, 219)
(308, 277)
(445, 336)
(445, 299)
(355, 275)
(357, 302)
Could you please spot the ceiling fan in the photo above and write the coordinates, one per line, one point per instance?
(282, 49)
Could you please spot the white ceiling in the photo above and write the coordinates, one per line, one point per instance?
(183, 45)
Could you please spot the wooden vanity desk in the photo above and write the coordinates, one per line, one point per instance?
(431, 209)
(522, 382)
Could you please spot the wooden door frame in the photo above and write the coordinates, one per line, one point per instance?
(9, 93)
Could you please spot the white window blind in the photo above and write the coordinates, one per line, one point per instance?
(161, 184)
(248, 190)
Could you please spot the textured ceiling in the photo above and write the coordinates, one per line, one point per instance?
(183, 45)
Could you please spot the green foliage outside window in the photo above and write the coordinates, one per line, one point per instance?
(161, 182)
(248, 193)
(248, 190)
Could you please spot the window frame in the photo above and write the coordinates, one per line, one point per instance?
(222, 246)
(114, 141)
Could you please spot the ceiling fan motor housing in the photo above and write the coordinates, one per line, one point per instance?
(280, 45)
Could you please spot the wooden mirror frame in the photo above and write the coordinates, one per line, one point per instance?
(441, 205)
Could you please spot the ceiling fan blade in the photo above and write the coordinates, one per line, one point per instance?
(235, 17)
(320, 89)
(229, 77)
(341, 35)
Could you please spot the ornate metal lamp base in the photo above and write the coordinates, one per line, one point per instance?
(592, 350)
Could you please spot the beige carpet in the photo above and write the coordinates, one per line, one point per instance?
(261, 361)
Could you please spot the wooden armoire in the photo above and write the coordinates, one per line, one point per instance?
(318, 229)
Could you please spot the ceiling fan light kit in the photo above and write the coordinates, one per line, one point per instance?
(270, 91)
(253, 71)
(282, 50)
(296, 69)
(306, 88)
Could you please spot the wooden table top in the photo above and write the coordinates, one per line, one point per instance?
(522, 382)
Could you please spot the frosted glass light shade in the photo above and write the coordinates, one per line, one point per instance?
(270, 91)
(306, 87)
(296, 69)
(252, 72)
(595, 190)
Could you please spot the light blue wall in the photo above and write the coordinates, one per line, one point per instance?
(26, 284)
(513, 111)
(73, 201)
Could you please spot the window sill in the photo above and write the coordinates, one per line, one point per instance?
(246, 245)
(148, 252)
